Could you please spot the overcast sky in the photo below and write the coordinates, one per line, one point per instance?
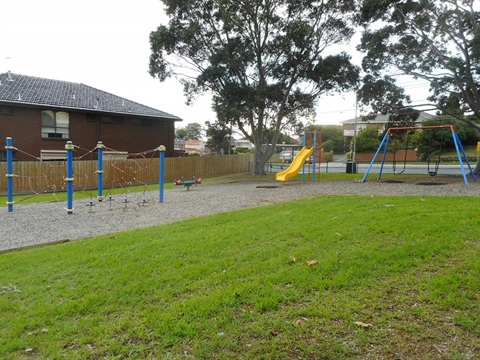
(105, 44)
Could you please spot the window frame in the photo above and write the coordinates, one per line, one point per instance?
(58, 118)
(3, 155)
(7, 110)
(142, 122)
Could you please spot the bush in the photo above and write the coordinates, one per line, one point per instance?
(327, 156)
(327, 146)
(367, 140)
(241, 150)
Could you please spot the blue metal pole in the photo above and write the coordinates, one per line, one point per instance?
(69, 179)
(100, 147)
(472, 172)
(384, 157)
(385, 138)
(304, 144)
(9, 174)
(462, 150)
(456, 141)
(314, 154)
(162, 172)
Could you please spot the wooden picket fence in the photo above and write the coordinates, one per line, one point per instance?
(48, 176)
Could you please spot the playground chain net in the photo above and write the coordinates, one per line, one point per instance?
(127, 178)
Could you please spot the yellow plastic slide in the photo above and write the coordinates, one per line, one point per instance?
(296, 165)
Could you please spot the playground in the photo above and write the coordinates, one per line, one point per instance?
(279, 277)
(125, 201)
(324, 276)
(42, 223)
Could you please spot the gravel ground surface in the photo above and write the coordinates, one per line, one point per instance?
(36, 224)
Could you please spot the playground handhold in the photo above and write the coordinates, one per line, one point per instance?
(178, 181)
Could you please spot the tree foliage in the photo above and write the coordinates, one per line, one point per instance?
(192, 131)
(438, 141)
(438, 41)
(218, 137)
(368, 139)
(264, 61)
(332, 137)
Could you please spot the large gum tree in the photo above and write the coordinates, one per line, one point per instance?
(266, 62)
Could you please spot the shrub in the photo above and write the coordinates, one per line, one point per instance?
(327, 156)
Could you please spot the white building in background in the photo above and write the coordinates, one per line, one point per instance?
(379, 123)
(196, 146)
(243, 143)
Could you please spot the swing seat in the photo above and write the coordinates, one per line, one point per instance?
(432, 173)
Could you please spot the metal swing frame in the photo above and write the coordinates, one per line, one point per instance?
(456, 140)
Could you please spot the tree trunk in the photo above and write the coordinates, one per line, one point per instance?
(260, 159)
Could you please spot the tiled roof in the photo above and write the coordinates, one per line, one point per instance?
(28, 90)
(383, 119)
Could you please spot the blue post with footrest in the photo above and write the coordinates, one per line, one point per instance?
(161, 175)
(9, 174)
(100, 147)
(69, 179)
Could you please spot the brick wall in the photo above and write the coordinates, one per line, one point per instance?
(24, 127)
(399, 156)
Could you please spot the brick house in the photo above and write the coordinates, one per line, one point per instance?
(196, 146)
(40, 115)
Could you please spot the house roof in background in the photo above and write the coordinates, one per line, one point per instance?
(383, 119)
(18, 89)
(194, 142)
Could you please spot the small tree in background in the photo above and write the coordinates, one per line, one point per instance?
(192, 131)
(332, 137)
(328, 145)
(218, 137)
(181, 133)
(368, 139)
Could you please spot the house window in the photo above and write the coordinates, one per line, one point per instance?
(115, 155)
(55, 125)
(6, 110)
(3, 155)
(53, 154)
(142, 122)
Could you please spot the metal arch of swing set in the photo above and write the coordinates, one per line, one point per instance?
(456, 140)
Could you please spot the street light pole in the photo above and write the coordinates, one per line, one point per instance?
(355, 129)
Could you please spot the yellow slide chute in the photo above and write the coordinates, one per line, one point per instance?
(296, 165)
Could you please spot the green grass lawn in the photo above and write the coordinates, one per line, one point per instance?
(469, 150)
(389, 278)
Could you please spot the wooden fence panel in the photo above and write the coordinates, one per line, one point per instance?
(48, 176)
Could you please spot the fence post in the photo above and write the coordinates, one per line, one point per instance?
(69, 179)
(100, 147)
(161, 176)
(9, 174)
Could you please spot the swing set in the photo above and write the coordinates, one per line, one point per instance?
(432, 169)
